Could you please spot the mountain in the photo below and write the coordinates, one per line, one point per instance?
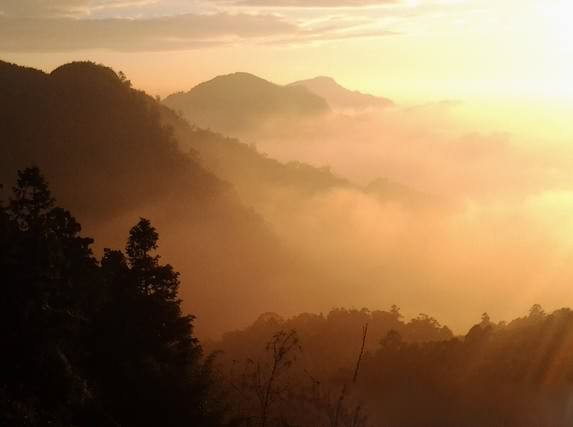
(340, 98)
(257, 177)
(254, 175)
(109, 158)
(242, 101)
(99, 142)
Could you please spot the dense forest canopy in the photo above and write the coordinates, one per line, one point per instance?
(91, 341)
(355, 363)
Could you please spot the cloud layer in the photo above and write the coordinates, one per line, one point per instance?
(164, 25)
(60, 8)
(181, 32)
(312, 3)
(41, 8)
(168, 33)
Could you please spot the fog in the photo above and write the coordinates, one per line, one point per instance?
(429, 147)
(494, 236)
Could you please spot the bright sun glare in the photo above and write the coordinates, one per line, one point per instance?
(544, 40)
(559, 44)
(559, 25)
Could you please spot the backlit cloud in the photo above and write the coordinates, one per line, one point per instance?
(62, 28)
(167, 33)
(62, 8)
(311, 3)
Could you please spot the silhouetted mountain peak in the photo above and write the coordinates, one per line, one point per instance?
(86, 72)
(86, 68)
(242, 83)
(19, 81)
(240, 101)
(241, 77)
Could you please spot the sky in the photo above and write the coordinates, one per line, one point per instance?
(410, 50)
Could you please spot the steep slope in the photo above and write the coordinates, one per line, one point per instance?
(99, 142)
(109, 159)
(240, 101)
(253, 174)
(258, 177)
(340, 98)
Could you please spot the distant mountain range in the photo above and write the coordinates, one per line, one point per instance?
(340, 98)
(240, 102)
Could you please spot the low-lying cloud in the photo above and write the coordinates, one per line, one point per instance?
(499, 237)
(423, 147)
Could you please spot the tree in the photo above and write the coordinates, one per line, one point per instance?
(88, 343)
(32, 199)
(123, 78)
(282, 347)
(46, 269)
(391, 342)
(536, 312)
(485, 319)
(155, 356)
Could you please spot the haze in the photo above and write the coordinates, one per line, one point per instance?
(304, 212)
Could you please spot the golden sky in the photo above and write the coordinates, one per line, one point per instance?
(405, 49)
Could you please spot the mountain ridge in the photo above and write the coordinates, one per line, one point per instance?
(239, 101)
(109, 158)
(341, 98)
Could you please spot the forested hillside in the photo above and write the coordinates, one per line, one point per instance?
(92, 341)
(86, 128)
(361, 368)
(252, 173)
(108, 157)
(257, 177)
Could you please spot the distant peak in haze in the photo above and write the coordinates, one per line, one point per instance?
(241, 101)
(325, 79)
(318, 79)
(239, 77)
(340, 98)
